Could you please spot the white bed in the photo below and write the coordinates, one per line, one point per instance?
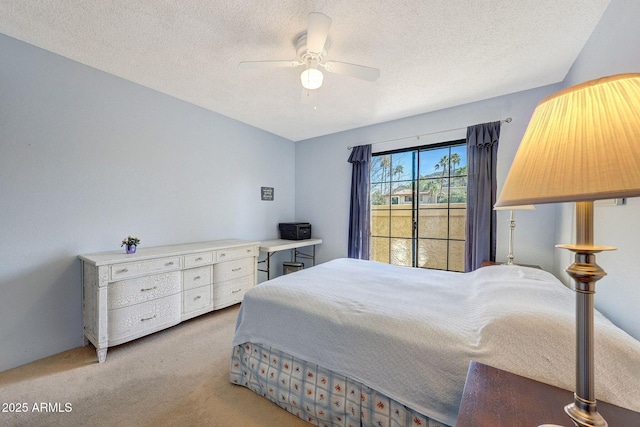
(406, 336)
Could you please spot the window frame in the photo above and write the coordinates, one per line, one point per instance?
(416, 201)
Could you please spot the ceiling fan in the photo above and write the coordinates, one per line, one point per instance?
(311, 50)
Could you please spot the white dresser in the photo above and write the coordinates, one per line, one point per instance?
(126, 296)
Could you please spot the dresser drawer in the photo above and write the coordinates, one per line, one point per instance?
(131, 322)
(231, 292)
(140, 268)
(134, 291)
(196, 301)
(195, 277)
(235, 253)
(233, 269)
(196, 260)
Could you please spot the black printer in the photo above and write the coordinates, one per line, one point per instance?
(295, 230)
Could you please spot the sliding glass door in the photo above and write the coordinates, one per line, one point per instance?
(418, 206)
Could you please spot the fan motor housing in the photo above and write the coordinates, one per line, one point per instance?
(306, 56)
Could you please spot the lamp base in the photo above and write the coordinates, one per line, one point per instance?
(585, 272)
(585, 416)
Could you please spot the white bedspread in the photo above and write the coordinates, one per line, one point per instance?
(410, 333)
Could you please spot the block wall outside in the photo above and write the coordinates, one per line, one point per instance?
(393, 225)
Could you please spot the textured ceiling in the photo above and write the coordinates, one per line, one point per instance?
(432, 54)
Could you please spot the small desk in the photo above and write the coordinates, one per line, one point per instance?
(273, 246)
(496, 398)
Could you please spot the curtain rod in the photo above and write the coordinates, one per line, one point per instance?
(507, 120)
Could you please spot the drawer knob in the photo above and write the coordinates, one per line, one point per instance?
(148, 289)
(199, 258)
(197, 278)
(124, 270)
(236, 291)
(197, 298)
(236, 269)
(170, 263)
(148, 318)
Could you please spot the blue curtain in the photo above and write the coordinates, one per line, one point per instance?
(359, 221)
(482, 153)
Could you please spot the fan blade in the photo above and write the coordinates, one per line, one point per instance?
(270, 64)
(317, 31)
(352, 70)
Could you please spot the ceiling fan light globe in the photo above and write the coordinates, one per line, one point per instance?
(311, 78)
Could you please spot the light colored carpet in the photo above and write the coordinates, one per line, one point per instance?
(176, 377)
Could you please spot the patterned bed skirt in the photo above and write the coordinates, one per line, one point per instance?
(315, 394)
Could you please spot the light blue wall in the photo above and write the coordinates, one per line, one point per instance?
(323, 175)
(87, 158)
(612, 49)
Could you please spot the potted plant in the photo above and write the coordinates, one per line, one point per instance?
(131, 243)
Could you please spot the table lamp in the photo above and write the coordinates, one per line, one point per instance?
(582, 144)
(512, 225)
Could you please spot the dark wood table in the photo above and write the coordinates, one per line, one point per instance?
(495, 398)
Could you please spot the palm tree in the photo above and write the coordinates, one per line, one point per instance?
(380, 168)
(383, 171)
(444, 163)
(398, 170)
(396, 185)
(455, 160)
(379, 176)
(462, 176)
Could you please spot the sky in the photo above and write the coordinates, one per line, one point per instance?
(427, 160)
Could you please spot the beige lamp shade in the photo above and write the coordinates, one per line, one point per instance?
(515, 208)
(582, 143)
